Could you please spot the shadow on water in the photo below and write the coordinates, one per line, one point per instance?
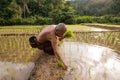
(90, 62)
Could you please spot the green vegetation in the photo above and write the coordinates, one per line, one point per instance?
(98, 19)
(68, 34)
(96, 7)
(60, 63)
(38, 12)
(20, 29)
(17, 49)
(43, 12)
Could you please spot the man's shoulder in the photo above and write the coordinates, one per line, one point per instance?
(49, 30)
(50, 27)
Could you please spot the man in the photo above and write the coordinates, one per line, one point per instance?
(47, 40)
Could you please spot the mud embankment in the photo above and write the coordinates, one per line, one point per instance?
(115, 28)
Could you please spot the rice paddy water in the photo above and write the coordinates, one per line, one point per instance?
(90, 62)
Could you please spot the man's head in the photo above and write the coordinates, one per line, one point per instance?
(60, 29)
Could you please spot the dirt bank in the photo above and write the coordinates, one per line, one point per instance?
(110, 27)
(46, 68)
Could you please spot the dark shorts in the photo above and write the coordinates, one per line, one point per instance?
(46, 47)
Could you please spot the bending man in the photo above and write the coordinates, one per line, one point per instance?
(47, 39)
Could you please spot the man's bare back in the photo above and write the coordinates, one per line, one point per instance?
(47, 34)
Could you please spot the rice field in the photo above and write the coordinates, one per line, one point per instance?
(14, 45)
(109, 39)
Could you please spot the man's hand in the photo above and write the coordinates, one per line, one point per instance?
(56, 52)
(65, 67)
(61, 38)
(61, 63)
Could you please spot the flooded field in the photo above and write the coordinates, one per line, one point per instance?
(90, 62)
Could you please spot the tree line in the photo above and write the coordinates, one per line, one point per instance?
(96, 7)
(39, 12)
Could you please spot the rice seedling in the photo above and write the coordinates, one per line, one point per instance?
(60, 63)
(108, 38)
(16, 48)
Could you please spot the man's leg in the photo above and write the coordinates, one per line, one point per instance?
(40, 46)
(48, 48)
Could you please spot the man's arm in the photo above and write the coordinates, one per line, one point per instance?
(56, 52)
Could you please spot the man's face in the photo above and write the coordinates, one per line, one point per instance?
(60, 33)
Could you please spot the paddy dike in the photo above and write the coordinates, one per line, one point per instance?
(109, 27)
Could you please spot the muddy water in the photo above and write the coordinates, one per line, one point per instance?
(15, 71)
(90, 62)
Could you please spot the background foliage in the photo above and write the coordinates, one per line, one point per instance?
(39, 12)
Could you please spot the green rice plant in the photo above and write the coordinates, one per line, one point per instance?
(60, 63)
(107, 39)
(68, 34)
(16, 49)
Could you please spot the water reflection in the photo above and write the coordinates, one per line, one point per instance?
(15, 71)
(90, 62)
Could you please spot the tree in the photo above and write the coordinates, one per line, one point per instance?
(91, 7)
(40, 7)
(62, 12)
(56, 10)
(25, 8)
(115, 7)
(4, 12)
(15, 9)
